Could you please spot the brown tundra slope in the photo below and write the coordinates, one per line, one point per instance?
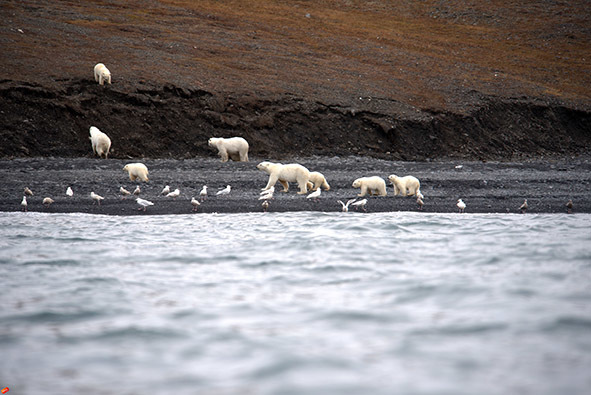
(401, 80)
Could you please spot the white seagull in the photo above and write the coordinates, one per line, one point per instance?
(360, 203)
(523, 207)
(69, 192)
(267, 191)
(225, 191)
(345, 207)
(165, 190)
(461, 205)
(420, 201)
(96, 198)
(174, 194)
(124, 192)
(267, 195)
(24, 203)
(137, 191)
(314, 195)
(203, 193)
(144, 203)
(195, 204)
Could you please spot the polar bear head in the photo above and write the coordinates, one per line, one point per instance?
(214, 141)
(393, 178)
(357, 183)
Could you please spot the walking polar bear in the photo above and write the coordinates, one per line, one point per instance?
(316, 181)
(102, 74)
(235, 148)
(373, 185)
(285, 174)
(101, 143)
(137, 170)
(405, 186)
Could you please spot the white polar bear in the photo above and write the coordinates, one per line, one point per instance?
(137, 170)
(316, 181)
(405, 186)
(236, 148)
(374, 185)
(292, 172)
(102, 74)
(101, 143)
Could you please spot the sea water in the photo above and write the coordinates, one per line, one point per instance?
(295, 303)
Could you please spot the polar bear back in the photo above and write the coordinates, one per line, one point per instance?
(405, 186)
(137, 170)
(101, 143)
(235, 148)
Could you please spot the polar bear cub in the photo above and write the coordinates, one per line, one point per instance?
(236, 148)
(373, 185)
(317, 180)
(102, 74)
(137, 170)
(405, 186)
(101, 143)
(285, 174)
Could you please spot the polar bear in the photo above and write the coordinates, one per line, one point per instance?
(137, 170)
(102, 74)
(405, 186)
(236, 148)
(101, 143)
(292, 172)
(374, 185)
(316, 181)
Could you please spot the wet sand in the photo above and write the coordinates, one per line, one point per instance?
(485, 187)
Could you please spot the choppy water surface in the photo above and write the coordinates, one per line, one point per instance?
(295, 303)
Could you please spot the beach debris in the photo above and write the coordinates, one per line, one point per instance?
(345, 206)
(144, 203)
(523, 207)
(361, 203)
(195, 203)
(203, 193)
(461, 205)
(225, 191)
(96, 198)
(69, 192)
(174, 194)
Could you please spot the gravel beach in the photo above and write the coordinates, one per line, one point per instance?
(485, 187)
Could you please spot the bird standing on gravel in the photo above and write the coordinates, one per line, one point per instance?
(69, 192)
(314, 195)
(523, 207)
(225, 191)
(144, 203)
(195, 203)
(124, 192)
(165, 190)
(345, 206)
(174, 194)
(28, 192)
(47, 201)
(24, 203)
(361, 203)
(203, 193)
(265, 205)
(461, 205)
(137, 191)
(569, 207)
(96, 198)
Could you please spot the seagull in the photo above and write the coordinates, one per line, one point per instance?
(203, 193)
(265, 205)
(166, 190)
(345, 207)
(461, 205)
(96, 198)
(69, 192)
(28, 192)
(314, 195)
(360, 203)
(24, 203)
(225, 191)
(124, 192)
(47, 201)
(267, 195)
(174, 194)
(523, 207)
(267, 191)
(144, 203)
(420, 195)
(195, 204)
(420, 201)
(137, 191)
(569, 206)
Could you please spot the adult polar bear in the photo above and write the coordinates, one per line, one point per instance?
(235, 148)
(405, 186)
(374, 185)
(102, 74)
(285, 174)
(101, 143)
(137, 170)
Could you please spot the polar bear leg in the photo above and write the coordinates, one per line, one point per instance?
(109, 80)
(132, 177)
(223, 153)
(311, 186)
(243, 156)
(363, 190)
(272, 181)
(285, 185)
(303, 185)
